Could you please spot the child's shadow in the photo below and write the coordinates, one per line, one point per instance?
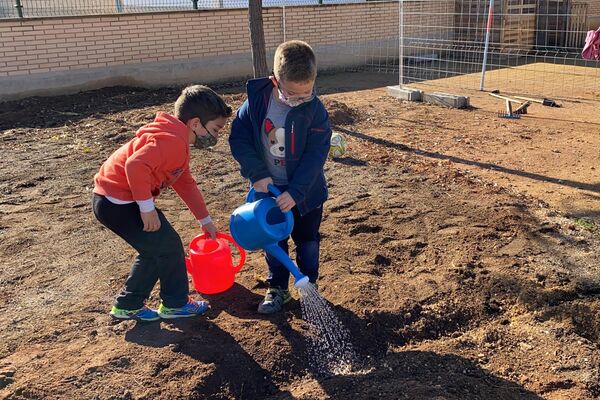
(207, 343)
(242, 303)
(423, 374)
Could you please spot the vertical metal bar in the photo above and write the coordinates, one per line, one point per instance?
(401, 42)
(487, 43)
(284, 27)
(195, 4)
(19, 8)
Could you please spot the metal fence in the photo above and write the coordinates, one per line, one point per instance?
(524, 46)
(56, 8)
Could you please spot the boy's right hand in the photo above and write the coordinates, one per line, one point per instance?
(151, 221)
(261, 185)
(210, 229)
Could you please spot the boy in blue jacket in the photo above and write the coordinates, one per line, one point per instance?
(281, 136)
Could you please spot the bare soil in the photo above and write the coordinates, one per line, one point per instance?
(461, 250)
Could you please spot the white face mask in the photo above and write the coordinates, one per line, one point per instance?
(294, 102)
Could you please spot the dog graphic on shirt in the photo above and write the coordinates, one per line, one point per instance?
(276, 138)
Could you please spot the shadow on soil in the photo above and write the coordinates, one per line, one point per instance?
(412, 374)
(69, 109)
(592, 187)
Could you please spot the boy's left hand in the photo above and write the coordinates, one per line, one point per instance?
(285, 202)
(210, 229)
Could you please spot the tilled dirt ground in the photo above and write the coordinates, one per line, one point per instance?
(464, 266)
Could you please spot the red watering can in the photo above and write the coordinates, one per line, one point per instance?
(210, 263)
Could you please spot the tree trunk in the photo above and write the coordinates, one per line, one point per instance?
(257, 37)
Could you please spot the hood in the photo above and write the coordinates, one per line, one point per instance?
(165, 125)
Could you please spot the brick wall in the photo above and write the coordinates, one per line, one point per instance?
(69, 43)
(56, 44)
(593, 7)
(65, 54)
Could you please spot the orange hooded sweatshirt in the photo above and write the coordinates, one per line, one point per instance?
(156, 158)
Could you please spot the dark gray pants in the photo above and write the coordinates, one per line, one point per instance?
(161, 255)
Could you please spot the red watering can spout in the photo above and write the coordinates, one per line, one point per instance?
(210, 263)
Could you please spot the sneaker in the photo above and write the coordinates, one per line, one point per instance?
(274, 301)
(192, 308)
(141, 314)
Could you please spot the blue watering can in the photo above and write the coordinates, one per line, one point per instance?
(261, 225)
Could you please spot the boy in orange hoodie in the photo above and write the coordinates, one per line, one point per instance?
(123, 201)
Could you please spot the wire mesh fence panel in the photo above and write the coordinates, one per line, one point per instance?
(526, 46)
(533, 46)
(364, 38)
(51, 8)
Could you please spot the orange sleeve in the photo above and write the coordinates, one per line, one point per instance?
(187, 188)
(139, 167)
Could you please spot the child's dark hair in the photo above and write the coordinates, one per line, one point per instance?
(198, 101)
(295, 61)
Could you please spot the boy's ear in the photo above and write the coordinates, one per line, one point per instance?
(193, 123)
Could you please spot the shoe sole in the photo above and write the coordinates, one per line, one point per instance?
(122, 318)
(166, 316)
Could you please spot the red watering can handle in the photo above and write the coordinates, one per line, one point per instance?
(242, 252)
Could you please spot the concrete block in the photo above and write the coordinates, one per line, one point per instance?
(447, 100)
(404, 93)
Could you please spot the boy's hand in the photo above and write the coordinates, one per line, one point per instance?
(151, 221)
(285, 202)
(261, 185)
(210, 229)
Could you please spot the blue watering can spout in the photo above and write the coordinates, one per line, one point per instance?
(261, 225)
(279, 254)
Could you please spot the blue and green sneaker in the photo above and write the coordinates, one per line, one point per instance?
(192, 308)
(141, 314)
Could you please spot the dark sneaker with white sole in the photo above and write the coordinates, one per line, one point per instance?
(274, 301)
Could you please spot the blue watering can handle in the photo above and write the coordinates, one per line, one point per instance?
(272, 189)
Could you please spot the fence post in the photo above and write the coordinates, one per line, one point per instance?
(284, 23)
(195, 4)
(401, 43)
(487, 43)
(19, 8)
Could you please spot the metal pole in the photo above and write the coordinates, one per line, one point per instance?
(284, 33)
(487, 43)
(401, 43)
(19, 8)
(195, 4)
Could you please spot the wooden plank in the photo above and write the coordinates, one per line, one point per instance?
(576, 32)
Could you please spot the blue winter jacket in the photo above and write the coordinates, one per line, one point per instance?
(307, 141)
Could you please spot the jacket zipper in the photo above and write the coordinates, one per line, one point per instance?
(293, 139)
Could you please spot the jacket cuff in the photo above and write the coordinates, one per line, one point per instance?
(260, 175)
(296, 195)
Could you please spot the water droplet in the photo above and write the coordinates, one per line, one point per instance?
(329, 346)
